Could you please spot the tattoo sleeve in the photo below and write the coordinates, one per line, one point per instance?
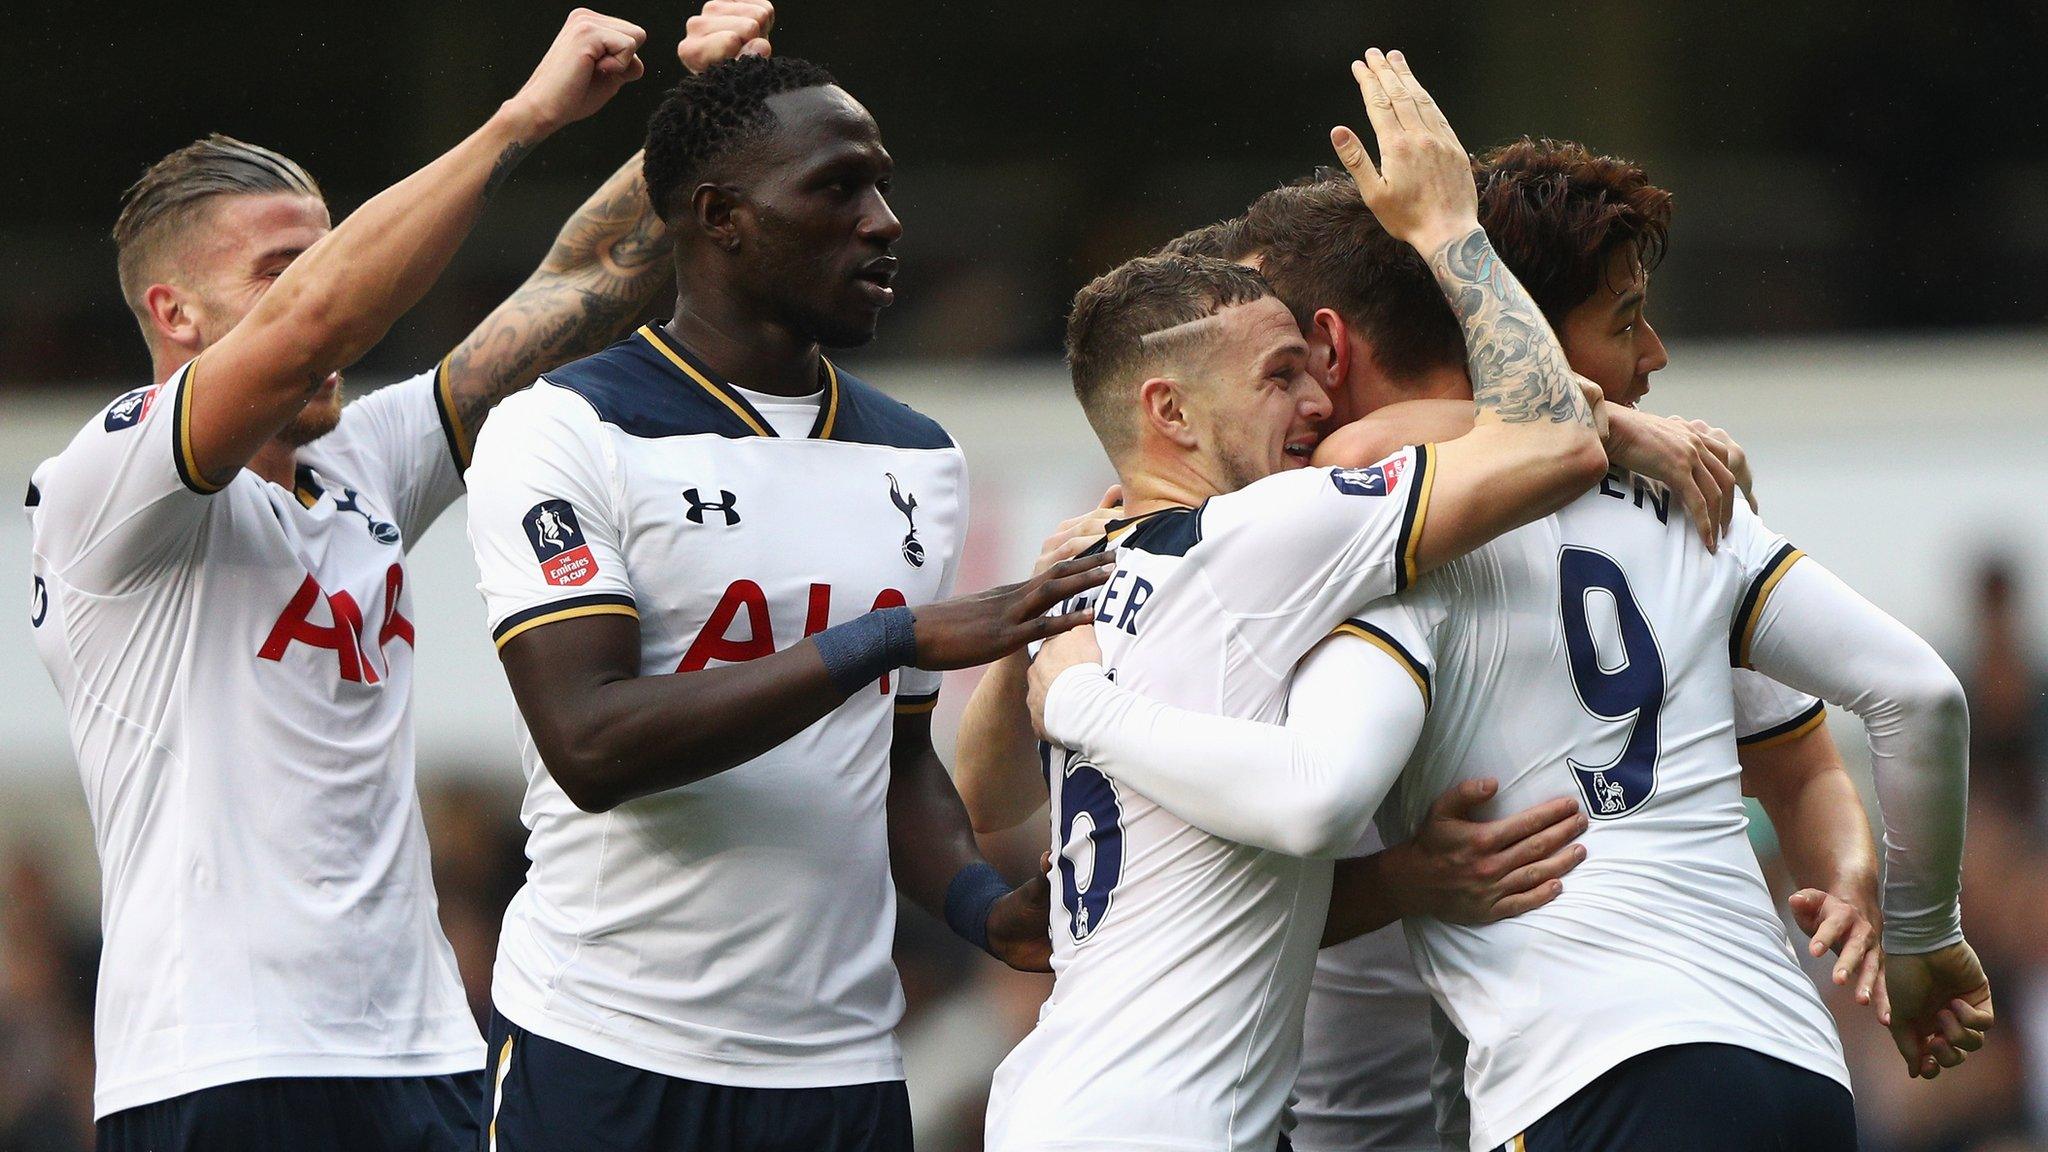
(1519, 373)
(604, 268)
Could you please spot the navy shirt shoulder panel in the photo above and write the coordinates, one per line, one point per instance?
(632, 388)
(867, 415)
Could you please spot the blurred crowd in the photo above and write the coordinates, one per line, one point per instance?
(965, 1011)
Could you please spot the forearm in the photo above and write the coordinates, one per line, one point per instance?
(995, 759)
(930, 840)
(1519, 372)
(1307, 788)
(344, 292)
(1534, 445)
(1363, 898)
(608, 263)
(1818, 636)
(1818, 818)
(632, 736)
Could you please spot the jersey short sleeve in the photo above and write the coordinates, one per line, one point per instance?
(125, 497)
(918, 690)
(543, 515)
(1764, 557)
(397, 436)
(1298, 550)
(1403, 628)
(1767, 713)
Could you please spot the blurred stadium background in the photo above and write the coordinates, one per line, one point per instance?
(1852, 289)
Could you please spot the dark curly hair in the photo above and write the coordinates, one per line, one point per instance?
(707, 116)
(1557, 211)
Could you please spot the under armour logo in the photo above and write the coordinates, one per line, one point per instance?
(380, 531)
(913, 552)
(699, 506)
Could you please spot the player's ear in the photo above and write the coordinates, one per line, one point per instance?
(715, 208)
(1162, 406)
(1329, 346)
(173, 315)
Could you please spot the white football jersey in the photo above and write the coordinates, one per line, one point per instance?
(1183, 959)
(736, 930)
(1589, 655)
(236, 670)
(1367, 1042)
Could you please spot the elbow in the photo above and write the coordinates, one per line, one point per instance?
(1323, 826)
(585, 773)
(1933, 693)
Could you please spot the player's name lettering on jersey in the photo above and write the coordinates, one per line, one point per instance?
(715, 640)
(1621, 485)
(1132, 590)
(343, 634)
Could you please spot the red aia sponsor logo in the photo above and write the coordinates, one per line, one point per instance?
(343, 634)
(715, 640)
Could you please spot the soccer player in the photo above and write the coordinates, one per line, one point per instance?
(1583, 655)
(716, 568)
(1583, 231)
(1182, 957)
(219, 594)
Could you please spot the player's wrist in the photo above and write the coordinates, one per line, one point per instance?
(521, 118)
(1434, 239)
(866, 648)
(1066, 701)
(971, 898)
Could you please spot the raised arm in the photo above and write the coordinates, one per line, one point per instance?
(342, 294)
(1535, 445)
(1702, 464)
(607, 263)
(1813, 633)
(610, 260)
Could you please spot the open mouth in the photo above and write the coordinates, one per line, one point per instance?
(876, 279)
(1301, 449)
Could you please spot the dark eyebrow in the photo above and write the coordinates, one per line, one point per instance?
(1629, 300)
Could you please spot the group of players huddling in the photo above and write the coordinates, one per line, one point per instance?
(1389, 539)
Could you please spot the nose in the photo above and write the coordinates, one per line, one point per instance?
(1315, 402)
(879, 224)
(1654, 358)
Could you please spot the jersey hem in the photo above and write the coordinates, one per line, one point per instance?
(136, 1093)
(826, 1072)
(1561, 1085)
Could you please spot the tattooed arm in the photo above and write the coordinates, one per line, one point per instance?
(607, 264)
(1535, 445)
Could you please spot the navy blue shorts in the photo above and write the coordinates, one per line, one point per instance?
(307, 1114)
(1699, 1098)
(550, 1097)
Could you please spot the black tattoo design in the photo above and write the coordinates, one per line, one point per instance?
(600, 276)
(506, 162)
(1518, 370)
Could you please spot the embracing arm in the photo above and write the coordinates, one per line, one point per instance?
(1535, 445)
(1306, 788)
(340, 296)
(606, 264)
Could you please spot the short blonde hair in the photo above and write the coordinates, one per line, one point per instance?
(174, 188)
